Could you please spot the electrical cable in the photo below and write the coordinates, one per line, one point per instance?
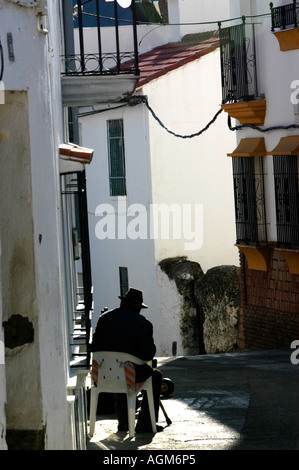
(99, 111)
(2, 62)
(231, 128)
(259, 129)
(190, 136)
(144, 100)
(135, 100)
(218, 22)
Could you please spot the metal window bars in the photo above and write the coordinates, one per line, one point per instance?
(286, 199)
(249, 193)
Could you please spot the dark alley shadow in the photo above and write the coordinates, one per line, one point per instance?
(243, 401)
(254, 393)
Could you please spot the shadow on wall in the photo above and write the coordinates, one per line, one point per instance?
(210, 307)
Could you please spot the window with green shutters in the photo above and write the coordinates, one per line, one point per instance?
(116, 153)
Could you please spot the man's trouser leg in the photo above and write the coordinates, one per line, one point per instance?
(121, 410)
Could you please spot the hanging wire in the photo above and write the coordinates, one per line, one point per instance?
(259, 129)
(180, 24)
(190, 136)
(135, 100)
(2, 62)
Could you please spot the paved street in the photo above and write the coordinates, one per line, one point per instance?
(235, 401)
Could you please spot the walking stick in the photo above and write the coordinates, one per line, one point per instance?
(168, 421)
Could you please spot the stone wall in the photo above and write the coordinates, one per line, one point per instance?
(185, 273)
(217, 295)
(208, 313)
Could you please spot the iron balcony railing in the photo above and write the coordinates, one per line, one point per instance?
(93, 54)
(284, 16)
(238, 62)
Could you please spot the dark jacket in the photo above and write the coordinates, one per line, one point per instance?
(125, 330)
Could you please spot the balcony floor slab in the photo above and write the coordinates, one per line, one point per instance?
(95, 89)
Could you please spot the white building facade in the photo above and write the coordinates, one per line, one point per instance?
(175, 174)
(265, 119)
(31, 129)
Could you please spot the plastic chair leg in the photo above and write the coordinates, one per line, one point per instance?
(131, 400)
(93, 410)
(150, 399)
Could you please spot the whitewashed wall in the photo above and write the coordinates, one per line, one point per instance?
(109, 254)
(33, 84)
(3, 445)
(194, 170)
(180, 171)
(163, 169)
(201, 11)
(169, 313)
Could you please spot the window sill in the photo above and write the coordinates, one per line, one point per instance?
(118, 198)
(288, 39)
(257, 256)
(247, 112)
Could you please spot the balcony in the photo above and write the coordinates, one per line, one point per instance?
(285, 18)
(98, 50)
(240, 94)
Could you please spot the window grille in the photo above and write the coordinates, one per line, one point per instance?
(250, 216)
(116, 153)
(286, 199)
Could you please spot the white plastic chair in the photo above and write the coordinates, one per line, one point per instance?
(111, 372)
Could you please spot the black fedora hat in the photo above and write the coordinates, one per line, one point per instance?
(134, 295)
